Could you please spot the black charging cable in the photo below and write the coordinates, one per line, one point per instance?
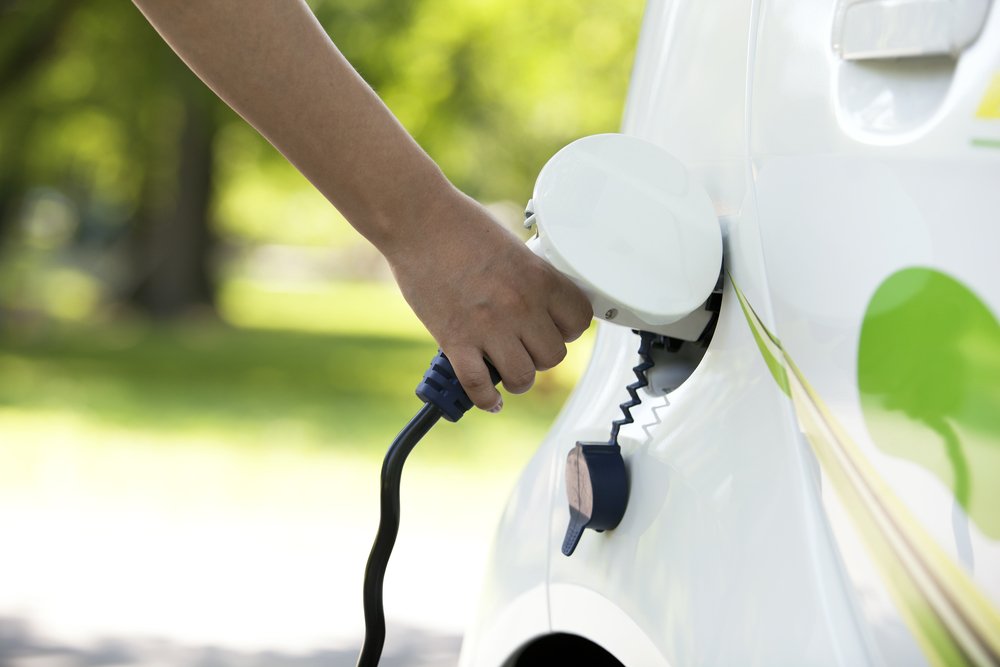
(388, 527)
(443, 396)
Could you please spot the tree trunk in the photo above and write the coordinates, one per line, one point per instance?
(173, 246)
(31, 32)
(38, 26)
(11, 196)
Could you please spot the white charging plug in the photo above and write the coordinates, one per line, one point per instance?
(627, 223)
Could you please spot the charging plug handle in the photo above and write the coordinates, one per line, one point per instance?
(440, 387)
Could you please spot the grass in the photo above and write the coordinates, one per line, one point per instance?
(297, 394)
(345, 392)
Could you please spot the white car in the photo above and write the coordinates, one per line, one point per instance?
(823, 486)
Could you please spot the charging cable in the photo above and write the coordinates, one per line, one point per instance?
(443, 396)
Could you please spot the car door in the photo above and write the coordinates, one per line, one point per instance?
(874, 141)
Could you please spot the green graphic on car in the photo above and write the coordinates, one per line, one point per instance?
(929, 379)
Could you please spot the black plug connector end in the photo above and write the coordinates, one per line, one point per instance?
(440, 386)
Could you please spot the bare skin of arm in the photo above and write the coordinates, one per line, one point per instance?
(474, 285)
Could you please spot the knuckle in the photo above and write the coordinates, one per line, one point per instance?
(573, 331)
(520, 381)
(480, 391)
(553, 357)
(574, 320)
(475, 381)
(581, 323)
(566, 330)
(511, 302)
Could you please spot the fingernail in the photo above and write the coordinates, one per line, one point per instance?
(496, 408)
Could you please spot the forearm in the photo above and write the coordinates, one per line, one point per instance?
(273, 63)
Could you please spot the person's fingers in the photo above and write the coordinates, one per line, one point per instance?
(513, 363)
(570, 309)
(545, 344)
(470, 367)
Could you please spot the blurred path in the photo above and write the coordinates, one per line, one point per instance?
(228, 556)
(19, 648)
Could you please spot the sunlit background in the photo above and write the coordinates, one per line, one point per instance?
(201, 363)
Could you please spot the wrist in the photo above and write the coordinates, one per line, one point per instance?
(436, 214)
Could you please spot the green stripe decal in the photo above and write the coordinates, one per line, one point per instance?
(950, 618)
(980, 142)
(764, 343)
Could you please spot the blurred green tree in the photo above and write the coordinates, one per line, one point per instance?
(105, 113)
(94, 105)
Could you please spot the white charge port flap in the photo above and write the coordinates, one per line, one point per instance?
(628, 224)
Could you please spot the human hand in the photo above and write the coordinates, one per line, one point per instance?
(481, 293)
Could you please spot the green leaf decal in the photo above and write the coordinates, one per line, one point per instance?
(929, 378)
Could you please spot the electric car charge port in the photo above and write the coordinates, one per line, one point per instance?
(674, 360)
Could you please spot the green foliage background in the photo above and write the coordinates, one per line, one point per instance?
(92, 105)
(490, 89)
